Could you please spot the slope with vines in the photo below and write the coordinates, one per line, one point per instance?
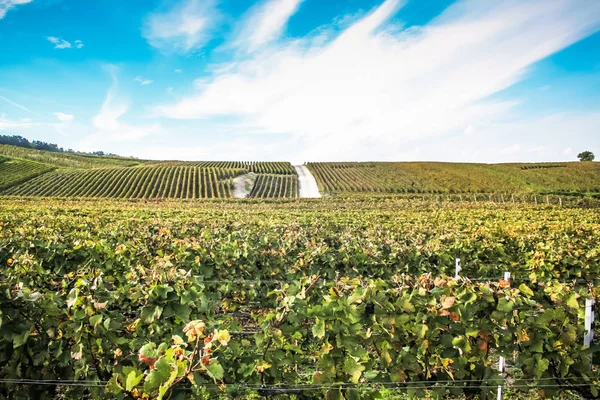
(181, 182)
(434, 177)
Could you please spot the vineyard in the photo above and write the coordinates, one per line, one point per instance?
(13, 172)
(69, 160)
(278, 168)
(438, 178)
(269, 186)
(139, 182)
(74, 175)
(337, 298)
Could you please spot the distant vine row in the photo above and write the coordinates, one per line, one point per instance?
(269, 186)
(181, 182)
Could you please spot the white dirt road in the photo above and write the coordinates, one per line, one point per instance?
(308, 184)
(242, 185)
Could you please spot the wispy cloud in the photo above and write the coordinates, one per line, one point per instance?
(6, 5)
(108, 125)
(6, 123)
(142, 81)
(265, 22)
(374, 87)
(183, 28)
(12, 103)
(62, 117)
(60, 43)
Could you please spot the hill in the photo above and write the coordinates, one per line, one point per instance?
(30, 172)
(439, 177)
(70, 160)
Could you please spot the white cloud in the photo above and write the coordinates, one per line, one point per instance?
(6, 123)
(568, 151)
(107, 124)
(6, 5)
(143, 81)
(178, 71)
(374, 87)
(59, 43)
(265, 22)
(62, 117)
(183, 28)
(12, 103)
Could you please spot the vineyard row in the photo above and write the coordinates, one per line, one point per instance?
(143, 182)
(269, 186)
(279, 168)
(15, 172)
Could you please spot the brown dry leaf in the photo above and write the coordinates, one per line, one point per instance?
(504, 283)
(448, 301)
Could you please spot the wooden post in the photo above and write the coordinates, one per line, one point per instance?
(502, 197)
(535, 197)
(547, 200)
(560, 201)
(513, 198)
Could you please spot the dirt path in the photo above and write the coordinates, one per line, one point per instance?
(242, 185)
(308, 184)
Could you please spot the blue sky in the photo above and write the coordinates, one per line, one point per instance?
(473, 80)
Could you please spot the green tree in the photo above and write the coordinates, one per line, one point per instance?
(586, 156)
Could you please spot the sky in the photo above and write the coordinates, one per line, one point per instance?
(305, 80)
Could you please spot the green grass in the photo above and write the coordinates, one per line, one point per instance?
(437, 177)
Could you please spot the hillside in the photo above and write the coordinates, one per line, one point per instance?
(69, 160)
(438, 177)
(75, 175)
(29, 172)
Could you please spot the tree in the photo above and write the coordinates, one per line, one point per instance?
(586, 156)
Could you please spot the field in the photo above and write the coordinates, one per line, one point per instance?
(14, 172)
(65, 159)
(74, 175)
(440, 178)
(269, 186)
(329, 298)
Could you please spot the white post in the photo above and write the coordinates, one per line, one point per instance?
(457, 268)
(475, 198)
(589, 323)
(513, 198)
(560, 201)
(547, 200)
(501, 359)
(535, 197)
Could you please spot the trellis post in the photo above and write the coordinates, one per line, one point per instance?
(457, 268)
(501, 359)
(589, 323)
